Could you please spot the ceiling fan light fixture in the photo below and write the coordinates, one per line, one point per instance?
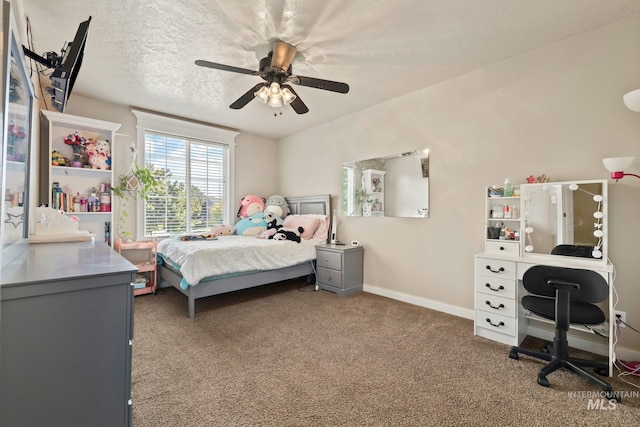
(275, 101)
(287, 96)
(262, 94)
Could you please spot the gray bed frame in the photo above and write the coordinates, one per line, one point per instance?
(297, 205)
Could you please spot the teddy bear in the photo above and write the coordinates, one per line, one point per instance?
(288, 234)
(223, 230)
(250, 205)
(103, 146)
(278, 205)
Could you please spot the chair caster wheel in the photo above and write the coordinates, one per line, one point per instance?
(602, 371)
(542, 380)
(513, 355)
(612, 395)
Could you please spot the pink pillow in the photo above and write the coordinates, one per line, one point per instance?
(309, 224)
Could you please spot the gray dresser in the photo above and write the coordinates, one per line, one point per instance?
(339, 268)
(66, 325)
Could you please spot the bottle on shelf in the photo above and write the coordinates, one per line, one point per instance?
(508, 190)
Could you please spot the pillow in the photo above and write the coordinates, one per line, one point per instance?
(309, 223)
(322, 233)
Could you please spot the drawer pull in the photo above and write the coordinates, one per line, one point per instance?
(502, 248)
(500, 270)
(498, 289)
(494, 324)
(493, 306)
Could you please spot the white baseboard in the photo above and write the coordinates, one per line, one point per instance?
(621, 352)
(422, 302)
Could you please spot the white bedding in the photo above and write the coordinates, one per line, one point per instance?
(233, 254)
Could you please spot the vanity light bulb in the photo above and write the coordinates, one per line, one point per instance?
(596, 253)
(598, 198)
(528, 248)
(598, 233)
(598, 215)
(573, 187)
(529, 230)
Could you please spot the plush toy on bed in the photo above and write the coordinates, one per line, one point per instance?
(251, 226)
(288, 234)
(274, 223)
(223, 230)
(278, 205)
(250, 205)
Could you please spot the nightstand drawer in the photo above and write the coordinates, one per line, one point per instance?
(328, 259)
(496, 286)
(330, 277)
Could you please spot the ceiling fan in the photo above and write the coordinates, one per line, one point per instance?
(276, 71)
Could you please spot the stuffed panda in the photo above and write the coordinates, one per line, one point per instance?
(273, 221)
(288, 234)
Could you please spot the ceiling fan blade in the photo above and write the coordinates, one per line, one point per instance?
(223, 67)
(297, 104)
(246, 98)
(283, 54)
(320, 84)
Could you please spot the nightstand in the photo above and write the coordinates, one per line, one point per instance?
(141, 253)
(339, 268)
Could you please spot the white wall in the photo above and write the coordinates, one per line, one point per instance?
(557, 110)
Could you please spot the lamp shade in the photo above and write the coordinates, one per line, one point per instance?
(617, 164)
(632, 100)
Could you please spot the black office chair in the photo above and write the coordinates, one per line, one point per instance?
(566, 296)
(573, 250)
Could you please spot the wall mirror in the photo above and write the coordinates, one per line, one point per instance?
(392, 186)
(566, 218)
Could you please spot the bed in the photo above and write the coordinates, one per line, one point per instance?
(170, 273)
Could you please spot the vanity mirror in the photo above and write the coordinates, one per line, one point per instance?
(565, 218)
(391, 186)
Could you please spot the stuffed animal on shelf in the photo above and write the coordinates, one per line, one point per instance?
(250, 205)
(251, 226)
(103, 146)
(288, 234)
(100, 161)
(98, 158)
(223, 230)
(278, 205)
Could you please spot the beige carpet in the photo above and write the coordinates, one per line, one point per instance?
(284, 355)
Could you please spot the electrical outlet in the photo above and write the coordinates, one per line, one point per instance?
(620, 315)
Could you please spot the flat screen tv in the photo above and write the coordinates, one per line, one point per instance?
(66, 72)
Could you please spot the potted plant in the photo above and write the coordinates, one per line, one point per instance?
(360, 197)
(138, 182)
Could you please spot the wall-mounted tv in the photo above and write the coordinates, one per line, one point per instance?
(66, 66)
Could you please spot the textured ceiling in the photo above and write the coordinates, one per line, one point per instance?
(142, 53)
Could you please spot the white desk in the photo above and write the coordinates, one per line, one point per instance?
(499, 316)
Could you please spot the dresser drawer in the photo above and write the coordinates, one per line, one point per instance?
(495, 268)
(496, 323)
(497, 286)
(494, 304)
(503, 247)
(328, 259)
(329, 277)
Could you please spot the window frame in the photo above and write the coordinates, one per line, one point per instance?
(149, 122)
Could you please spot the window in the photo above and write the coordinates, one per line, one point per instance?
(193, 163)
